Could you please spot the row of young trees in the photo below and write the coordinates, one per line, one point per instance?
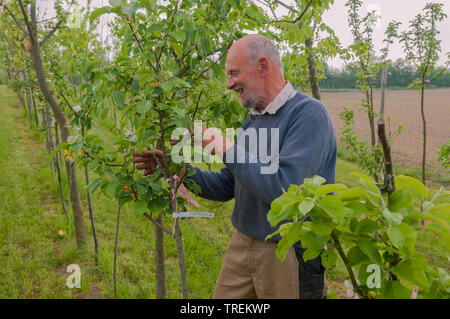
(401, 75)
(165, 70)
(422, 48)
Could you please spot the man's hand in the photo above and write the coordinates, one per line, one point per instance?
(212, 140)
(215, 142)
(148, 161)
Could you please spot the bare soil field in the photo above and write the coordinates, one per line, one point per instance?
(404, 108)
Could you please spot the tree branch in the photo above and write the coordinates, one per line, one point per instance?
(294, 10)
(161, 226)
(212, 64)
(139, 44)
(338, 246)
(19, 25)
(196, 107)
(442, 72)
(27, 23)
(50, 34)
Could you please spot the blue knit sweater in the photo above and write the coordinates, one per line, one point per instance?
(307, 147)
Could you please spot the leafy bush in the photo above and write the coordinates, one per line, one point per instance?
(379, 231)
(444, 155)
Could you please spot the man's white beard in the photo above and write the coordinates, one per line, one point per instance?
(249, 104)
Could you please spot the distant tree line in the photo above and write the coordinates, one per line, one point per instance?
(400, 75)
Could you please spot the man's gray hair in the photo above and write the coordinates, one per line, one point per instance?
(259, 46)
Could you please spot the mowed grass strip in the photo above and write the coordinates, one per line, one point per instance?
(29, 239)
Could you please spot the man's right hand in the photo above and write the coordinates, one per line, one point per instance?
(148, 161)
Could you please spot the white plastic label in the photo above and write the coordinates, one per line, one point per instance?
(192, 214)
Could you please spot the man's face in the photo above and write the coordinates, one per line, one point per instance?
(242, 77)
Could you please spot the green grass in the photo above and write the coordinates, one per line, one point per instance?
(34, 257)
(29, 240)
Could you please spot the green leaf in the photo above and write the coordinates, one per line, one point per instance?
(439, 213)
(58, 148)
(375, 199)
(140, 206)
(98, 84)
(441, 231)
(292, 236)
(412, 269)
(143, 106)
(322, 226)
(328, 258)
(370, 250)
(392, 218)
(282, 230)
(355, 256)
(180, 36)
(353, 194)
(111, 189)
(361, 209)
(157, 204)
(363, 177)
(282, 249)
(407, 182)
(318, 180)
(93, 185)
(398, 200)
(115, 3)
(279, 207)
(141, 189)
(395, 290)
(306, 205)
(178, 49)
(366, 226)
(330, 188)
(371, 187)
(156, 27)
(333, 206)
(147, 4)
(135, 86)
(403, 237)
(119, 99)
(98, 12)
(313, 245)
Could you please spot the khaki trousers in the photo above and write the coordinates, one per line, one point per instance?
(252, 270)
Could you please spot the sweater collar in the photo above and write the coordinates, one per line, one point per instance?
(285, 94)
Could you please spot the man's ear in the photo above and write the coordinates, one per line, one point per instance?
(263, 65)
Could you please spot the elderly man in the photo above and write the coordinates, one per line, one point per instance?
(306, 146)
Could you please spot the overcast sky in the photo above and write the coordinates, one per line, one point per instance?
(399, 10)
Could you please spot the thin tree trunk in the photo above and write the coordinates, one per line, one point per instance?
(313, 81)
(181, 264)
(178, 239)
(91, 213)
(58, 171)
(209, 163)
(422, 110)
(116, 244)
(27, 92)
(160, 273)
(371, 118)
(21, 99)
(36, 119)
(80, 227)
(389, 181)
(48, 132)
